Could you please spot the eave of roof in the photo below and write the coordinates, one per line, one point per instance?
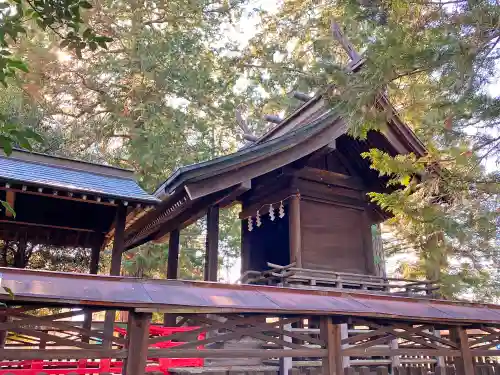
(65, 289)
(397, 132)
(208, 168)
(38, 171)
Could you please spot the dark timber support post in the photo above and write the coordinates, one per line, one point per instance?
(116, 262)
(93, 269)
(169, 320)
(94, 259)
(331, 334)
(137, 343)
(294, 231)
(464, 364)
(212, 244)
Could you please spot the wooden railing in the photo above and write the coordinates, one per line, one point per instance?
(291, 276)
(330, 344)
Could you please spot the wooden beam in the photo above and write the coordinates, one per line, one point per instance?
(330, 178)
(116, 262)
(344, 42)
(138, 336)
(295, 231)
(169, 320)
(44, 354)
(28, 224)
(463, 364)
(273, 118)
(301, 96)
(212, 244)
(331, 334)
(50, 194)
(232, 353)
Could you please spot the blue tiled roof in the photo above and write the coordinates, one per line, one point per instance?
(75, 180)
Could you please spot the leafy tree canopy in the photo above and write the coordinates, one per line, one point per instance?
(436, 61)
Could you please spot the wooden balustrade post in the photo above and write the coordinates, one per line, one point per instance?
(463, 364)
(137, 343)
(331, 334)
(286, 362)
(440, 359)
(395, 359)
(344, 334)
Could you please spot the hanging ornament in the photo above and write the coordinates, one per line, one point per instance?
(250, 224)
(271, 212)
(257, 219)
(282, 210)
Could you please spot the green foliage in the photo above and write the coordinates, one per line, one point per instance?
(8, 208)
(435, 62)
(160, 97)
(63, 19)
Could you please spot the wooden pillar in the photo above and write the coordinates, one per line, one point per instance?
(94, 259)
(93, 269)
(116, 261)
(173, 255)
(137, 343)
(118, 241)
(464, 364)
(331, 334)
(169, 320)
(212, 244)
(294, 231)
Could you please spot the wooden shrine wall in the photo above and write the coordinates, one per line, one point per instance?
(332, 238)
(335, 227)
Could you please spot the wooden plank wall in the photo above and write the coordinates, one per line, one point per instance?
(332, 237)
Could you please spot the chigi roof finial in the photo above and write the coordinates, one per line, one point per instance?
(247, 134)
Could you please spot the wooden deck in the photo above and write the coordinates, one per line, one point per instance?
(290, 330)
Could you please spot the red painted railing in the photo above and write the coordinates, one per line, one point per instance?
(86, 366)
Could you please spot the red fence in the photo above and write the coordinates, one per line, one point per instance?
(106, 366)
